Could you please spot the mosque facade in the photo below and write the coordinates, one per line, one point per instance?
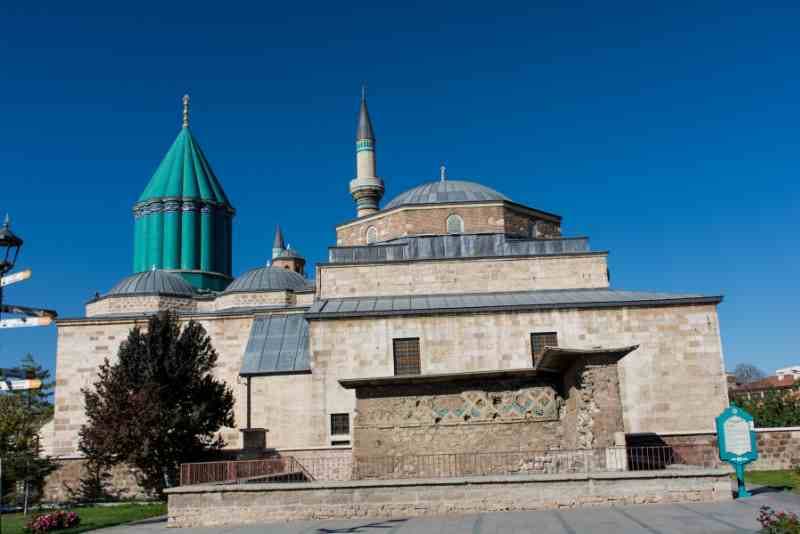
(448, 319)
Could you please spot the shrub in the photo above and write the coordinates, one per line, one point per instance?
(52, 521)
(773, 522)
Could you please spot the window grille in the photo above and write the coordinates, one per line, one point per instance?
(406, 356)
(455, 224)
(539, 341)
(340, 423)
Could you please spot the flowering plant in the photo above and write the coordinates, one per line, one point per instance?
(53, 521)
(773, 522)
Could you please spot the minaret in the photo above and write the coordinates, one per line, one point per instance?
(278, 245)
(366, 188)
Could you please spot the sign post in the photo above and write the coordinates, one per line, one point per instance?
(737, 442)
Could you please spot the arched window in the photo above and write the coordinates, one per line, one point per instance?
(372, 235)
(455, 224)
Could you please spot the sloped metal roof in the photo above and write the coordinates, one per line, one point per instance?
(155, 282)
(466, 303)
(277, 344)
(442, 191)
(268, 279)
(456, 246)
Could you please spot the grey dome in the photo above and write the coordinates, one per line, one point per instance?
(154, 282)
(445, 191)
(268, 279)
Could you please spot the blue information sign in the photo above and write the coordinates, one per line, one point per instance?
(737, 442)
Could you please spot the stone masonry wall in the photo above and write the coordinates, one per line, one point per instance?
(138, 304)
(431, 220)
(593, 409)
(83, 346)
(207, 506)
(66, 479)
(501, 416)
(674, 381)
(458, 276)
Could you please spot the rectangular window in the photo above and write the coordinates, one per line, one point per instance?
(340, 423)
(406, 356)
(539, 341)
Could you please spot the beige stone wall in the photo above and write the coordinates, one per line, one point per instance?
(82, 347)
(254, 299)
(674, 381)
(204, 506)
(460, 276)
(63, 483)
(138, 304)
(431, 220)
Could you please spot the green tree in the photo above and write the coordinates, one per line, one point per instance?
(159, 405)
(22, 415)
(778, 407)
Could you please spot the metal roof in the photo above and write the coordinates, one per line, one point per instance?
(185, 173)
(268, 279)
(467, 303)
(442, 191)
(456, 246)
(364, 130)
(155, 282)
(277, 344)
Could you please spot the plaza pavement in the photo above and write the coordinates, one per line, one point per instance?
(728, 517)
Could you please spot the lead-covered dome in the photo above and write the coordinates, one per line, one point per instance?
(155, 282)
(443, 191)
(268, 279)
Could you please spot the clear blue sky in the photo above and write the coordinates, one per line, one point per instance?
(668, 135)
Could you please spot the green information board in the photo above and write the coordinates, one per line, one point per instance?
(737, 442)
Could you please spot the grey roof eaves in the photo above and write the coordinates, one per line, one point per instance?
(464, 258)
(518, 307)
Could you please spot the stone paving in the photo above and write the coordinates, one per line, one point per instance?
(734, 516)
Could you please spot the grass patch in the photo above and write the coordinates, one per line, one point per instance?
(785, 478)
(92, 517)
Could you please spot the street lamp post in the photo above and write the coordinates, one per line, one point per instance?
(10, 244)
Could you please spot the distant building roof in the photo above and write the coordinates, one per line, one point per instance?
(442, 191)
(277, 344)
(268, 279)
(771, 382)
(155, 282)
(468, 303)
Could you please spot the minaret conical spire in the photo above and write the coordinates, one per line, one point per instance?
(278, 244)
(366, 188)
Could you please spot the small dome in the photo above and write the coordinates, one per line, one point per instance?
(443, 191)
(154, 282)
(268, 279)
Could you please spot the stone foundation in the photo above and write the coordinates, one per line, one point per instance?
(204, 506)
(67, 477)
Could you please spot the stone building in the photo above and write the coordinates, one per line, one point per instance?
(450, 319)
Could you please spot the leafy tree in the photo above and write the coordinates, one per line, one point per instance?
(22, 414)
(159, 405)
(746, 373)
(778, 407)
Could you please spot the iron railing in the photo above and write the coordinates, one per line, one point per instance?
(283, 469)
(554, 461)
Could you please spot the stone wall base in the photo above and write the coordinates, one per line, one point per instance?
(68, 476)
(204, 506)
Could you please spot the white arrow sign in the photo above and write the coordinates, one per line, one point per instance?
(19, 385)
(14, 278)
(25, 321)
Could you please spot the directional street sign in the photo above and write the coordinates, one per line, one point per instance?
(14, 278)
(25, 322)
(20, 385)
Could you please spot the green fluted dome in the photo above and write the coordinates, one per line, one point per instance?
(185, 173)
(183, 219)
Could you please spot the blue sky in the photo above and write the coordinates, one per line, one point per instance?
(667, 134)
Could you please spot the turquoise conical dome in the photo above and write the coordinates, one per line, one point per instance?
(183, 219)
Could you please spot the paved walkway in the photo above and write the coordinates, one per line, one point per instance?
(735, 516)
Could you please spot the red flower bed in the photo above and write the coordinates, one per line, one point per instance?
(53, 521)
